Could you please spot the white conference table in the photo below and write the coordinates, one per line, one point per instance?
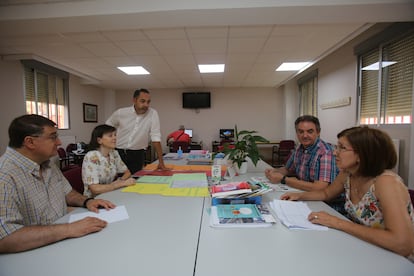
(171, 236)
(159, 238)
(277, 250)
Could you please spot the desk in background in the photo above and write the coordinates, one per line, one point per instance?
(172, 236)
(195, 146)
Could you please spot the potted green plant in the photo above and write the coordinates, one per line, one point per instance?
(245, 145)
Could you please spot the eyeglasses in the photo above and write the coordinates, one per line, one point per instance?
(53, 136)
(341, 148)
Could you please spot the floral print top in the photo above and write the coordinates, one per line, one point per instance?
(368, 210)
(98, 169)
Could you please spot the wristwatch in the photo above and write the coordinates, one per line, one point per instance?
(283, 180)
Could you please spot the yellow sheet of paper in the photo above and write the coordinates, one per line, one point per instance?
(150, 167)
(165, 190)
(147, 188)
(192, 192)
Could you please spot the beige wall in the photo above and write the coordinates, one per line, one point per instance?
(12, 97)
(260, 109)
(80, 94)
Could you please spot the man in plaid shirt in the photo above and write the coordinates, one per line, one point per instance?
(34, 193)
(311, 166)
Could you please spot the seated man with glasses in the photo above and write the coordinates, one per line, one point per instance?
(34, 193)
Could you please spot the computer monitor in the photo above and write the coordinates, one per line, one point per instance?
(189, 132)
(227, 133)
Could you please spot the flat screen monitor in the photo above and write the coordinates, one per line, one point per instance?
(196, 100)
(227, 133)
(189, 132)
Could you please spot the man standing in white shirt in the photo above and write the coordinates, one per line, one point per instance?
(136, 125)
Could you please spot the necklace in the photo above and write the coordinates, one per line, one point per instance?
(360, 185)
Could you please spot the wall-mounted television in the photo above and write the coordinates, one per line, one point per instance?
(196, 100)
(227, 134)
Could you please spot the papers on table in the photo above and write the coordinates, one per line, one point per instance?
(188, 180)
(277, 187)
(172, 156)
(178, 184)
(294, 215)
(113, 215)
(154, 179)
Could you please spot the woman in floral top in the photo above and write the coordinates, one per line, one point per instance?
(102, 164)
(377, 201)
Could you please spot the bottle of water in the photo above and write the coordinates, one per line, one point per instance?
(179, 152)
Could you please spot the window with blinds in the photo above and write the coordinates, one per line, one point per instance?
(46, 92)
(308, 94)
(386, 82)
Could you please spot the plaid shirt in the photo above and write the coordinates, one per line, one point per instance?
(26, 197)
(315, 163)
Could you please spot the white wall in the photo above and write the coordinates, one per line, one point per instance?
(260, 109)
(80, 94)
(12, 98)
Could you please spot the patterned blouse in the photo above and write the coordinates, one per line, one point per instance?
(368, 211)
(97, 169)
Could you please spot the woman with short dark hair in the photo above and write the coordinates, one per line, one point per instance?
(102, 164)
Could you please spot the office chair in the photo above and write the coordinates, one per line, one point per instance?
(74, 176)
(65, 161)
(282, 152)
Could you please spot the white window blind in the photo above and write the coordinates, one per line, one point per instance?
(398, 80)
(46, 92)
(386, 81)
(308, 93)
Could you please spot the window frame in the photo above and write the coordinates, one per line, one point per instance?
(376, 45)
(57, 82)
(309, 85)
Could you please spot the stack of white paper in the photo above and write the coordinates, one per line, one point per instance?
(294, 215)
(113, 215)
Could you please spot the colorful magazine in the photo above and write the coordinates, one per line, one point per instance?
(265, 219)
(233, 188)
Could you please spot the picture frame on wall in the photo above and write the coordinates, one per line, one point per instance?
(90, 113)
